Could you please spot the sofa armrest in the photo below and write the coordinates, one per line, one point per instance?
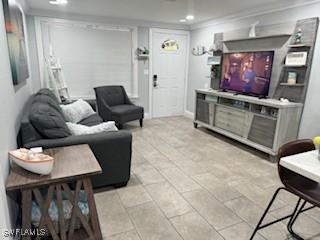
(92, 103)
(104, 110)
(127, 100)
(104, 138)
(113, 150)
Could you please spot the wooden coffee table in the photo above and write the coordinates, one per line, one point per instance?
(73, 167)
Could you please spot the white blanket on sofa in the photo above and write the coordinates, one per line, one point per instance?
(79, 129)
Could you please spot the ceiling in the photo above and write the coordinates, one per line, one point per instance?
(166, 11)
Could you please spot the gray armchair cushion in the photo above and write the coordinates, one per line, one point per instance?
(48, 121)
(126, 110)
(126, 113)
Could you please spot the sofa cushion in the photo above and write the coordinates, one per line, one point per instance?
(79, 129)
(48, 121)
(77, 111)
(47, 92)
(41, 98)
(92, 120)
(126, 110)
(27, 132)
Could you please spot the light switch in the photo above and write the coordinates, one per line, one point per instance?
(146, 71)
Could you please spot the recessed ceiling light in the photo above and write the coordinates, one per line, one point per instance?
(190, 17)
(58, 2)
(182, 20)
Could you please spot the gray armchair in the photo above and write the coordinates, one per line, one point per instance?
(114, 104)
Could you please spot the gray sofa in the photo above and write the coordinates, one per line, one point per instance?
(112, 149)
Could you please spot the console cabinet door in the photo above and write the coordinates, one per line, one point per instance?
(263, 131)
(232, 120)
(202, 111)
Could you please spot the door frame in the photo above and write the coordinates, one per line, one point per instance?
(169, 31)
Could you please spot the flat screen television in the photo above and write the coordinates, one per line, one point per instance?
(247, 72)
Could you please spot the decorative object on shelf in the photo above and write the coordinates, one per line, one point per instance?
(13, 17)
(316, 141)
(216, 57)
(32, 161)
(296, 59)
(252, 32)
(274, 113)
(142, 51)
(214, 60)
(284, 100)
(292, 78)
(298, 36)
(199, 50)
(215, 50)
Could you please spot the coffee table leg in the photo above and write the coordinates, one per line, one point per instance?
(26, 211)
(92, 208)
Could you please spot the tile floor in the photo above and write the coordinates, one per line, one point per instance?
(193, 184)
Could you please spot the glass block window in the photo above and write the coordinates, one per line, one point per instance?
(170, 45)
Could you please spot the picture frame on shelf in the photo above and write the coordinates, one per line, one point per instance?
(295, 59)
(214, 60)
(292, 78)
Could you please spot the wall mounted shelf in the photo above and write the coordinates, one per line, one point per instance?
(295, 66)
(292, 85)
(297, 93)
(298, 45)
(143, 55)
(258, 38)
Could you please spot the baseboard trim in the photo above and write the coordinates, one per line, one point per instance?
(147, 116)
(188, 114)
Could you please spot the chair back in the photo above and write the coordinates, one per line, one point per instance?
(112, 95)
(292, 148)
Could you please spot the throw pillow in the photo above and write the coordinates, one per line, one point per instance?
(77, 111)
(48, 121)
(41, 98)
(47, 92)
(78, 129)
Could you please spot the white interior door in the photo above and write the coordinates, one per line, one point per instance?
(169, 62)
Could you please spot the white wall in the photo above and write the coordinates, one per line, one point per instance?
(12, 100)
(203, 35)
(143, 70)
(143, 40)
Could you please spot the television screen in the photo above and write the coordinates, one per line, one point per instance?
(247, 72)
